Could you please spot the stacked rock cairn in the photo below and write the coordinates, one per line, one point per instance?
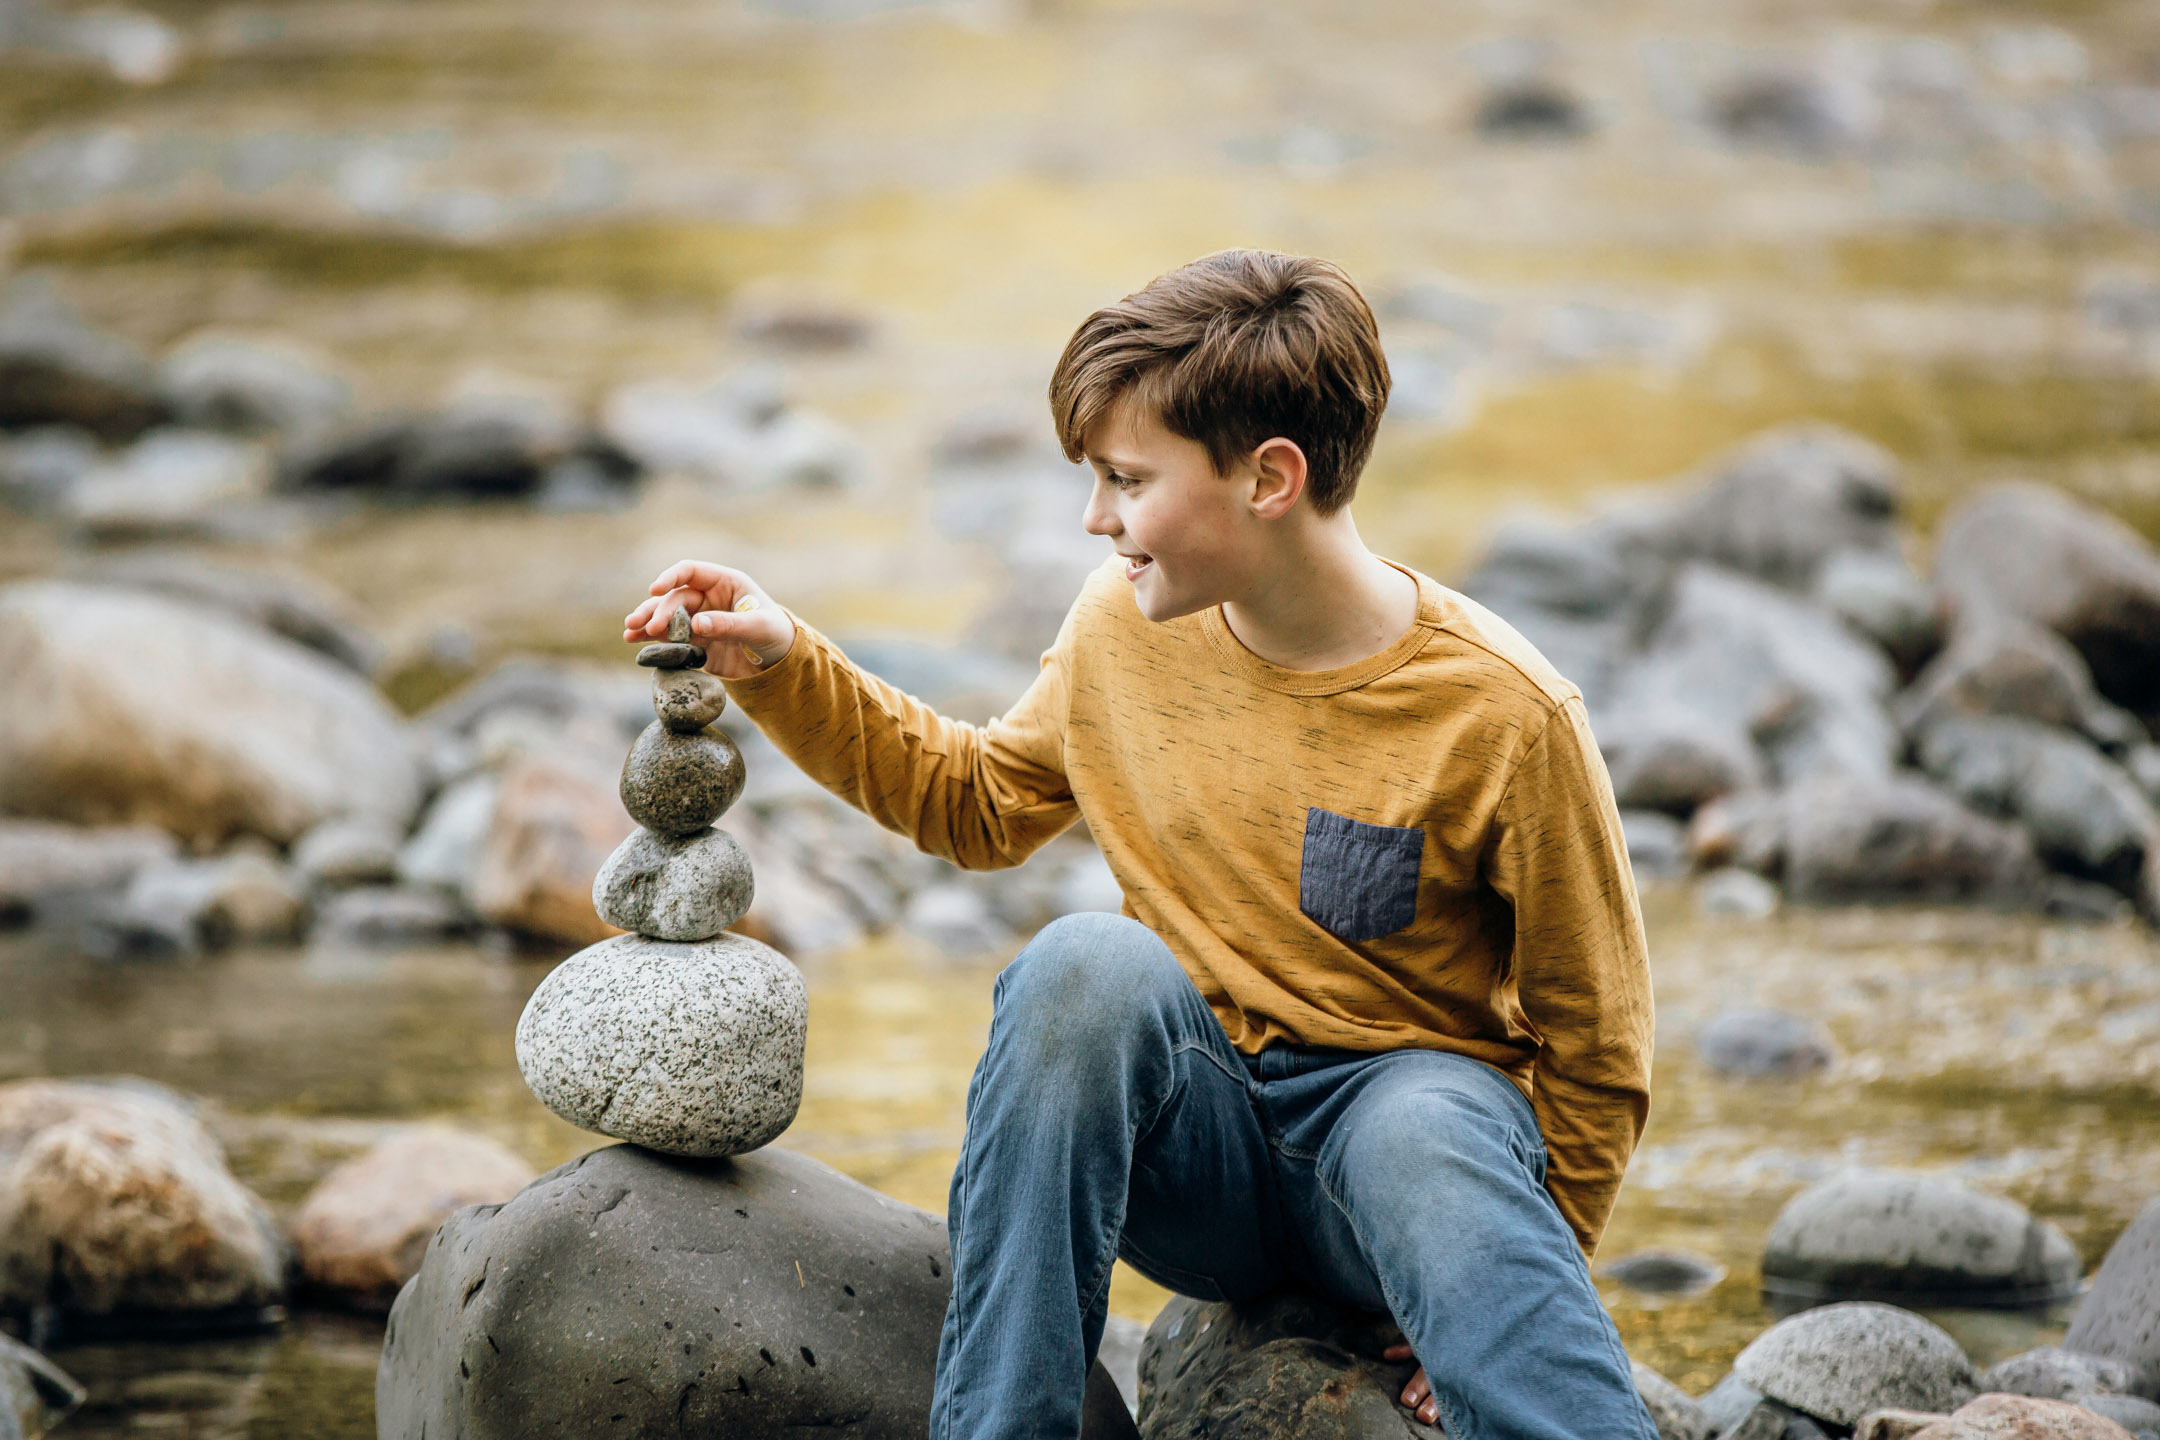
(678, 1036)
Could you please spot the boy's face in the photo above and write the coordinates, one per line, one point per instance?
(1184, 528)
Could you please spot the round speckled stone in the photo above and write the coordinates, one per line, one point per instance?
(679, 784)
(691, 1049)
(667, 655)
(674, 887)
(687, 700)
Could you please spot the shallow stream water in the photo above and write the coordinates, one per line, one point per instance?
(2018, 1055)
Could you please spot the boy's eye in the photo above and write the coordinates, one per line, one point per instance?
(1123, 482)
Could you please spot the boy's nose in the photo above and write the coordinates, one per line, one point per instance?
(1100, 518)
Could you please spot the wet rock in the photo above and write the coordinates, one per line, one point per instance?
(2006, 668)
(35, 1394)
(445, 851)
(580, 1301)
(343, 852)
(1672, 1409)
(1917, 1239)
(116, 1208)
(294, 606)
(217, 729)
(742, 432)
(1791, 113)
(55, 370)
(2134, 1413)
(253, 384)
(2019, 1417)
(1841, 1361)
(681, 887)
(554, 823)
(1532, 110)
(2031, 553)
(2050, 1372)
(170, 482)
(688, 700)
(954, 918)
(1289, 1364)
(695, 1049)
(1756, 1043)
(387, 915)
(2119, 1317)
(1879, 595)
(180, 908)
(1664, 1272)
(359, 1235)
(39, 466)
(1656, 843)
(1733, 891)
(2085, 813)
(679, 784)
(44, 864)
(1898, 839)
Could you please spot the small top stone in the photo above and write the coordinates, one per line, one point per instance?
(678, 626)
(667, 655)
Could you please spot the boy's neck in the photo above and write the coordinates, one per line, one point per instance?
(1320, 600)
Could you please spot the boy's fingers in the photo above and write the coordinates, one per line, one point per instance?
(700, 575)
(1398, 1351)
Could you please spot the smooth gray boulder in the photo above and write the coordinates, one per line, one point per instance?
(1288, 1365)
(1754, 1043)
(2133, 1412)
(1916, 1240)
(695, 1049)
(2120, 1315)
(294, 605)
(1845, 839)
(46, 864)
(2049, 1372)
(346, 851)
(1841, 1361)
(251, 383)
(1676, 1413)
(2010, 667)
(35, 1394)
(675, 887)
(1879, 595)
(673, 1299)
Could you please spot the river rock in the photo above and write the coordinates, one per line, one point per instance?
(484, 447)
(251, 384)
(679, 784)
(1730, 890)
(2120, 1315)
(2050, 1372)
(1664, 1272)
(388, 915)
(116, 1209)
(554, 825)
(184, 907)
(1894, 1424)
(1674, 1411)
(55, 370)
(44, 863)
(695, 1049)
(2005, 667)
(2029, 552)
(2084, 812)
(1656, 843)
(1728, 1402)
(217, 729)
(359, 1235)
(1898, 839)
(1917, 1239)
(171, 482)
(1841, 1361)
(675, 887)
(688, 699)
(2020, 1417)
(444, 852)
(40, 465)
(2133, 1412)
(1756, 1043)
(295, 606)
(348, 851)
(1879, 595)
(1288, 1365)
(644, 1294)
(35, 1394)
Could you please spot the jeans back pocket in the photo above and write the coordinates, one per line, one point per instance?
(1359, 881)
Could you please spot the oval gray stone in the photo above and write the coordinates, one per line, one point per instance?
(694, 1049)
(1914, 1239)
(2133, 1412)
(1841, 1361)
(679, 784)
(667, 655)
(2120, 1316)
(2049, 1372)
(687, 700)
(1759, 1043)
(675, 887)
(1664, 1272)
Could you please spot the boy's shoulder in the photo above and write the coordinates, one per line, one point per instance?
(1471, 638)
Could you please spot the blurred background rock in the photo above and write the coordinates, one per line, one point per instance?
(1791, 374)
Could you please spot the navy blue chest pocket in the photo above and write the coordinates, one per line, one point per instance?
(1359, 881)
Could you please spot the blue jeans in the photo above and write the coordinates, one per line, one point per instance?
(1111, 1117)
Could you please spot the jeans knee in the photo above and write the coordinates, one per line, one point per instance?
(1447, 1144)
(1090, 977)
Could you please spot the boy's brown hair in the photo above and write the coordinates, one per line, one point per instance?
(1233, 349)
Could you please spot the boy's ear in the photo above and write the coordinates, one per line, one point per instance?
(1278, 477)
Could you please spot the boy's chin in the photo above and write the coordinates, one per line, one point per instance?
(1157, 602)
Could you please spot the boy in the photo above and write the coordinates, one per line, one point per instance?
(1376, 1017)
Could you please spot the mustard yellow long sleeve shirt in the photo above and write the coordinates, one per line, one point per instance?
(1420, 850)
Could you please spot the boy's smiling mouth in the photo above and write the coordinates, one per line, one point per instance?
(1134, 564)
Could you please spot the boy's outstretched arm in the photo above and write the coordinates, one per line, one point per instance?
(1581, 964)
(983, 797)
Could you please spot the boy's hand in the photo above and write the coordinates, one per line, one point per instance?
(1418, 1393)
(739, 627)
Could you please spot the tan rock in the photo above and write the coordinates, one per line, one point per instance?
(555, 825)
(114, 1198)
(1894, 1424)
(2022, 1417)
(361, 1233)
